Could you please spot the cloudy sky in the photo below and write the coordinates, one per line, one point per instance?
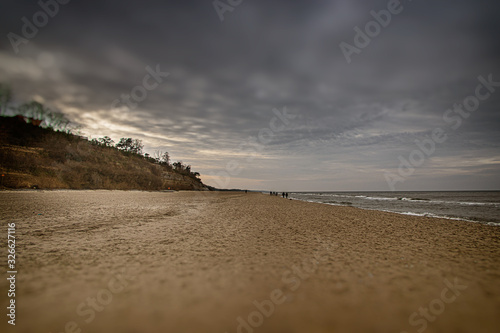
(260, 94)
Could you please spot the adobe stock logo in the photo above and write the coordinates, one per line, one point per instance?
(139, 93)
(372, 29)
(420, 320)
(30, 28)
(453, 118)
(225, 6)
(292, 278)
(254, 145)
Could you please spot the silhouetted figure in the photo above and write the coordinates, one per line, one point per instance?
(286, 195)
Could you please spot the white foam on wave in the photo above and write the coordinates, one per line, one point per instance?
(380, 198)
(428, 214)
(430, 201)
(460, 203)
(425, 214)
(445, 217)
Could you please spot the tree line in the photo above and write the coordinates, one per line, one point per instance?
(36, 113)
(135, 146)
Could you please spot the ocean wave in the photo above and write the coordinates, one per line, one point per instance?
(407, 199)
(464, 203)
(413, 199)
(410, 213)
(430, 201)
(342, 203)
(446, 217)
(426, 214)
(478, 203)
(429, 214)
(374, 198)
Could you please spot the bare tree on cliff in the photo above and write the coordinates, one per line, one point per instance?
(165, 158)
(178, 166)
(34, 111)
(130, 145)
(40, 115)
(105, 141)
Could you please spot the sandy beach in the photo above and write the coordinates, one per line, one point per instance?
(130, 261)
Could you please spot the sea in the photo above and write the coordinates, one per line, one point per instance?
(477, 206)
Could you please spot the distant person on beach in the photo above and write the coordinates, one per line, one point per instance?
(286, 195)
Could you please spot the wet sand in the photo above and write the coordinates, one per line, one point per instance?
(112, 261)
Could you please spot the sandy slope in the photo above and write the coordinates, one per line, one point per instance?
(196, 262)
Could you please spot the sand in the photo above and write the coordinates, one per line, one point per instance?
(112, 261)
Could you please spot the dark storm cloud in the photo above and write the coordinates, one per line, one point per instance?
(352, 120)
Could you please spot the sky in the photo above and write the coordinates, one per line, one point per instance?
(306, 95)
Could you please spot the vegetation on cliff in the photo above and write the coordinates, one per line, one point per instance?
(40, 149)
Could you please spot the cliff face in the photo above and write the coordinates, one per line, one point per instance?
(34, 157)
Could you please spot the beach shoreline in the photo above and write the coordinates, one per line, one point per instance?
(247, 262)
(427, 215)
(470, 206)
